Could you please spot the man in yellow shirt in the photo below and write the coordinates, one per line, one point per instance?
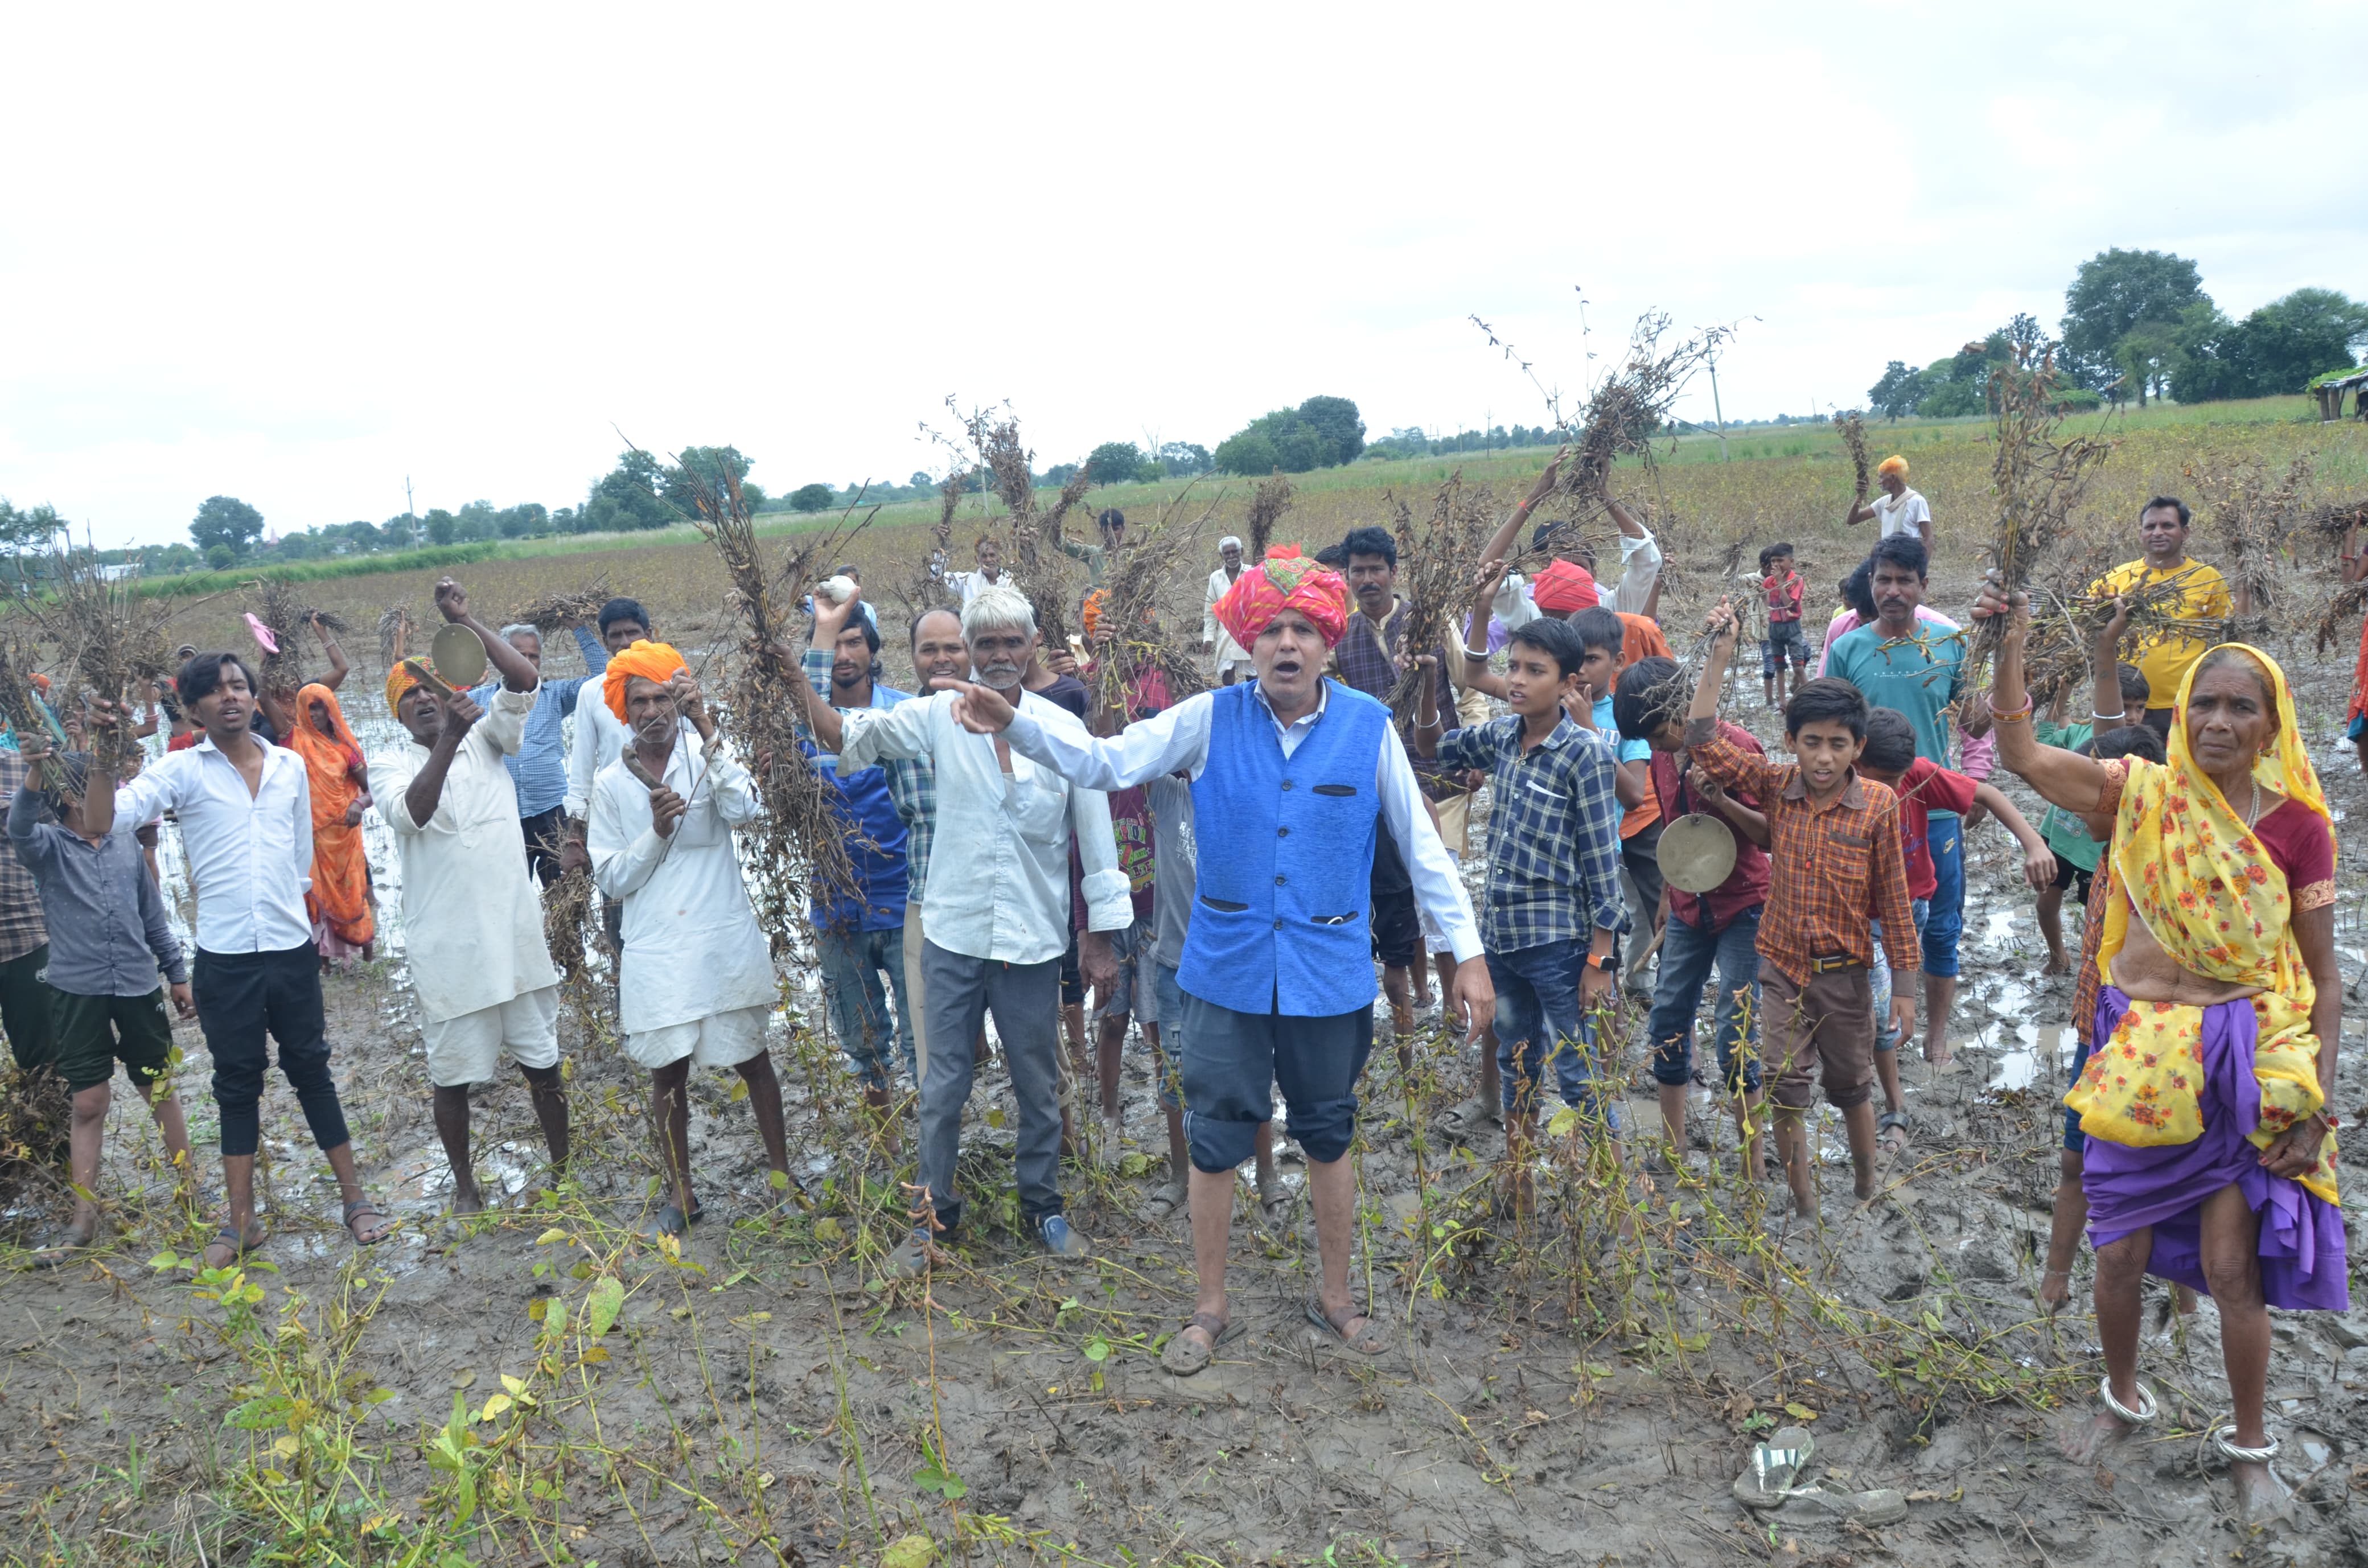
(2164, 654)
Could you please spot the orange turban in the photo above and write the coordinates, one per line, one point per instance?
(1564, 587)
(1284, 580)
(650, 661)
(1892, 464)
(403, 678)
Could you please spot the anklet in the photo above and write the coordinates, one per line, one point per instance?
(2224, 1439)
(2142, 1416)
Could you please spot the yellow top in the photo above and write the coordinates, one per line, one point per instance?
(2163, 655)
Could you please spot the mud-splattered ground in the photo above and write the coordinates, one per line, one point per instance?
(1556, 1391)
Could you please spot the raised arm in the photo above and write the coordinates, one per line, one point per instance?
(1501, 545)
(1477, 675)
(1172, 740)
(339, 665)
(1713, 753)
(452, 603)
(2063, 778)
(426, 787)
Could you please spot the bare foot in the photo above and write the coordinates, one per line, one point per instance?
(467, 1198)
(2056, 964)
(2261, 1498)
(2091, 1438)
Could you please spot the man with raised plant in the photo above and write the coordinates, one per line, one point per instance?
(695, 981)
(479, 964)
(1277, 973)
(539, 764)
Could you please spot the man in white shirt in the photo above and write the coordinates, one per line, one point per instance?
(245, 810)
(1900, 509)
(996, 914)
(695, 982)
(1233, 662)
(1277, 970)
(970, 584)
(479, 963)
(598, 741)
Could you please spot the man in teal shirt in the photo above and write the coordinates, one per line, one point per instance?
(1899, 663)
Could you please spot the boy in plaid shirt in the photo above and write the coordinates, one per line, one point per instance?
(1553, 914)
(1835, 864)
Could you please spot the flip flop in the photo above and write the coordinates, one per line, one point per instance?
(672, 1222)
(1775, 1465)
(64, 1253)
(1166, 1201)
(1893, 1121)
(227, 1237)
(1183, 1357)
(1462, 1122)
(360, 1209)
(1370, 1340)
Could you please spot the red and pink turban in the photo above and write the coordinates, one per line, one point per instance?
(1284, 580)
(1564, 586)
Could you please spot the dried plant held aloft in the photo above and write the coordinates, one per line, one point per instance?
(565, 610)
(1268, 501)
(279, 607)
(799, 850)
(2251, 515)
(1437, 561)
(1144, 601)
(395, 630)
(2037, 479)
(1853, 429)
(1044, 574)
(111, 640)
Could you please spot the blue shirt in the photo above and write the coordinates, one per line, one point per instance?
(1918, 676)
(1609, 728)
(877, 844)
(539, 769)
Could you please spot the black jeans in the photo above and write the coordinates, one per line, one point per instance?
(242, 996)
(542, 833)
(25, 1009)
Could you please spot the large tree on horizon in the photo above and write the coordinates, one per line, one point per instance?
(2116, 291)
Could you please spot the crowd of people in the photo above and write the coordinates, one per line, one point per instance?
(1022, 839)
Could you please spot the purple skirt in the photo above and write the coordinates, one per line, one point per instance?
(2165, 1186)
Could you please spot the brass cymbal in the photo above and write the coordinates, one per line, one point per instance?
(1697, 853)
(460, 658)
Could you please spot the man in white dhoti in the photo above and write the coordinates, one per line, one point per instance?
(696, 979)
(471, 919)
(1232, 660)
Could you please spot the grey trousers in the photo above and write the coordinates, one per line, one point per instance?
(1025, 1000)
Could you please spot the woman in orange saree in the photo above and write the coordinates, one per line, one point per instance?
(340, 902)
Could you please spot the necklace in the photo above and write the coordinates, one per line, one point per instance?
(2254, 813)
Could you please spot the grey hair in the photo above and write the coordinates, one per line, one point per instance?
(1234, 540)
(998, 608)
(516, 627)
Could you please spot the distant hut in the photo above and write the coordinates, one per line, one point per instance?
(2330, 392)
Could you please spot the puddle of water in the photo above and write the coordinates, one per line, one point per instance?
(2317, 1453)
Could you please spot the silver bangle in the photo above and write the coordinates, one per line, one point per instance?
(2098, 718)
(1472, 652)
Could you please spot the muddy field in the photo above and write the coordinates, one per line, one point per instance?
(1557, 1393)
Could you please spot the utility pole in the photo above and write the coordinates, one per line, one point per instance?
(410, 511)
(1714, 411)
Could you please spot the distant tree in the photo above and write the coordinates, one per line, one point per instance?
(564, 520)
(220, 556)
(1113, 461)
(2146, 356)
(173, 558)
(812, 497)
(299, 546)
(399, 533)
(476, 522)
(225, 520)
(714, 465)
(442, 526)
(627, 497)
(2111, 294)
(27, 534)
(1337, 425)
(1895, 392)
(1059, 474)
(1183, 457)
(527, 518)
(1250, 452)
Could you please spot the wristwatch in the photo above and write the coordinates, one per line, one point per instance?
(1608, 963)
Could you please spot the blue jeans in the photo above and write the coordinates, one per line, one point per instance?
(1687, 957)
(1947, 922)
(1537, 1019)
(851, 966)
(1879, 978)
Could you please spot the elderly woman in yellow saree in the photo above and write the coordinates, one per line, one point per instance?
(2211, 1153)
(340, 902)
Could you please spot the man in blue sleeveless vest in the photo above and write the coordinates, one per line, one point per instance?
(1278, 971)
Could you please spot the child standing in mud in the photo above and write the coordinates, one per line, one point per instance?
(1835, 864)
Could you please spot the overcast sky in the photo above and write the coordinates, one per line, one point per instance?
(296, 257)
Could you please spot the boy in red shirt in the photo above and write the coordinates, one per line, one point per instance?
(1782, 587)
(1924, 787)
